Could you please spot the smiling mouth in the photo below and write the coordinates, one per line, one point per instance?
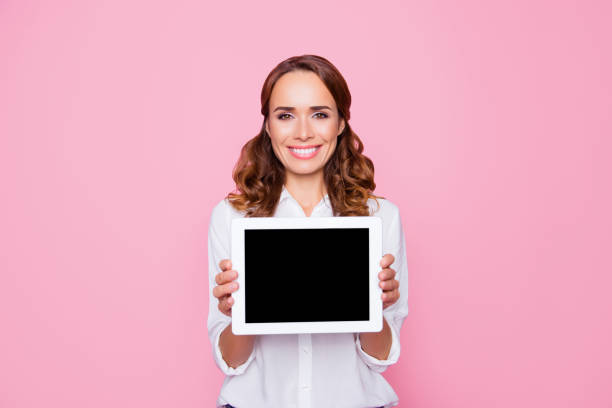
(304, 152)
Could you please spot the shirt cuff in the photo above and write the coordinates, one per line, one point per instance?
(376, 364)
(227, 370)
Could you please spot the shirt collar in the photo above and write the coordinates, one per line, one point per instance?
(286, 194)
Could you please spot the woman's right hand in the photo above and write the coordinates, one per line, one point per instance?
(226, 285)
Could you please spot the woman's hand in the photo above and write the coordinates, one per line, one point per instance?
(226, 285)
(388, 283)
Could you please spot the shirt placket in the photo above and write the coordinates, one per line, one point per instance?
(304, 370)
(305, 340)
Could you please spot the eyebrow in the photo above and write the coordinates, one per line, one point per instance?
(290, 108)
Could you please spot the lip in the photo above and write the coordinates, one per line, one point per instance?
(304, 147)
(304, 157)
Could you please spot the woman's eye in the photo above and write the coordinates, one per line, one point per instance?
(319, 115)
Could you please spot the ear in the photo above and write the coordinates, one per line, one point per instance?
(267, 128)
(342, 125)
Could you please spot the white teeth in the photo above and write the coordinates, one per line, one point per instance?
(303, 152)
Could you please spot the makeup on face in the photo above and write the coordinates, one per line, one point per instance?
(304, 152)
(303, 123)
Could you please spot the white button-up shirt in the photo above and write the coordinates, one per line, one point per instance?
(307, 370)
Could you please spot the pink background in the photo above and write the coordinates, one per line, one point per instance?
(488, 122)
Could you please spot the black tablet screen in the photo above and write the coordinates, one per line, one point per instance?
(306, 275)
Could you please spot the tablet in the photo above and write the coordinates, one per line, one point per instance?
(307, 275)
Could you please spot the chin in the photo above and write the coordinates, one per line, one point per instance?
(304, 172)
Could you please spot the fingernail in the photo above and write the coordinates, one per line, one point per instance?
(234, 286)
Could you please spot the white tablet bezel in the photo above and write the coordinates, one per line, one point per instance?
(374, 324)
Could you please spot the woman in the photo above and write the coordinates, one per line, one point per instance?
(306, 161)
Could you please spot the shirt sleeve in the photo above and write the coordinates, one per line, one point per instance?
(394, 243)
(219, 249)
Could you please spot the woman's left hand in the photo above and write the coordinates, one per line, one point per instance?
(388, 283)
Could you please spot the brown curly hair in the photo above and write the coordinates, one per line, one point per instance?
(348, 174)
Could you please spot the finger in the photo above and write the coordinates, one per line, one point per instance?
(228, 302)
(387, 260)
(221, 305)
(222, 290)
(388, 285)
(226, 277)
(386, 274)
(225, 264)
(390, 297)
(225, 305)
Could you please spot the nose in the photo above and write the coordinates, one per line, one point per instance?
(304, 132)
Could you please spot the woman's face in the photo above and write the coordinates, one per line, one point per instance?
(303, 123)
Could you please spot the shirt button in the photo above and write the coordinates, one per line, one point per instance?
(305, 349)
(305, 387)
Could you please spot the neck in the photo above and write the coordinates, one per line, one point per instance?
(308, 190)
